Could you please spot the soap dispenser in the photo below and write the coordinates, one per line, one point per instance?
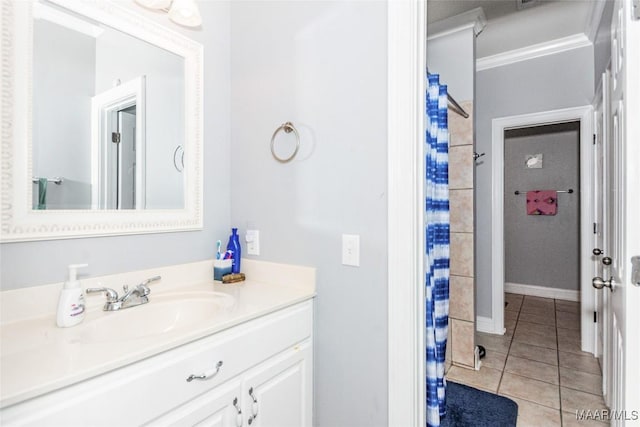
(71, 303)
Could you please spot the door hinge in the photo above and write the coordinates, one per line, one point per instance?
(635, 9)
(595, 228)
(594, 139)
(595, 317)
(115, 137)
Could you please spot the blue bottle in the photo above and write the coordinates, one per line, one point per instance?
(234, 247)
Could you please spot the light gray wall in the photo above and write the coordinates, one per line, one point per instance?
(456, 70)
(63, 70)
(547, 83)
(36, 263)
(321, 65)
(602, 43)
(120, 56)
(543, 250)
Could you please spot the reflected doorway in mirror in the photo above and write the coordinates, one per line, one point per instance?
(118, 146)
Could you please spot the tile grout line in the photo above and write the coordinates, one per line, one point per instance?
(504, 368)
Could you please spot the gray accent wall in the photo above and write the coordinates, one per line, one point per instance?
(543, 250)
(547, 83)
(37, 263)
(321, 65)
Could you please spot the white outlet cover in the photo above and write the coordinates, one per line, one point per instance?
(252, 237)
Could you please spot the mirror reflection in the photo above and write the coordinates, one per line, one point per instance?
(108, 116)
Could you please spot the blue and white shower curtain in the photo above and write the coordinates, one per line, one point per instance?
(437, 247)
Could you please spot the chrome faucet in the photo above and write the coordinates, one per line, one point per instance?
(132, 297)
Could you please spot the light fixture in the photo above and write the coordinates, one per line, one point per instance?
(183, 12)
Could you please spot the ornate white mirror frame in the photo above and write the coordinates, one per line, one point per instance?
(19, 221)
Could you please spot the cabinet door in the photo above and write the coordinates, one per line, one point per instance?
(277, 393)
(219, 407)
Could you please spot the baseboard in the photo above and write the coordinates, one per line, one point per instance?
(486, 325)
(542, 291)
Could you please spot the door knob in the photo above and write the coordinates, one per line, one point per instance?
(597, 252)
(599, 283)
(606, 260)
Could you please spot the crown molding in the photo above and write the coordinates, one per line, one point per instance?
(551, 47)
(471, 19)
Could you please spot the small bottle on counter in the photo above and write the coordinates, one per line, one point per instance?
(71, 303)
(236, 250)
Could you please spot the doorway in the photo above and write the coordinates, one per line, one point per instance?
(582, 115)
(121, 159)
(118, 118)
(542, 211)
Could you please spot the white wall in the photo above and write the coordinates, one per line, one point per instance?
(63, 70)
(120, 56)
(452, 56)
(36, 263)
(602, 43)
(321, 65)
(547, 83)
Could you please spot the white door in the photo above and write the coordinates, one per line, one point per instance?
(622, 371)
(602, 226)
(278, 392)
(597, 189)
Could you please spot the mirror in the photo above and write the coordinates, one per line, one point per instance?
(106, 113)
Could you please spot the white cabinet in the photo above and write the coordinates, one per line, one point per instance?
(271, 356)
(278, 392)
(220, 407)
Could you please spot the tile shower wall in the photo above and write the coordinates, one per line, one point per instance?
(460, 350)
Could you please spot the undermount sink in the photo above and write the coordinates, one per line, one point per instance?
(164, 313)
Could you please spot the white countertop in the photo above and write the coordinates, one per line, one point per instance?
(37, 357)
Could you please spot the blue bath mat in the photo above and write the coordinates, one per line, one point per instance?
(470, 407)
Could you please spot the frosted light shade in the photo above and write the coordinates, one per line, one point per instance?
(185, 12)
(154, 4)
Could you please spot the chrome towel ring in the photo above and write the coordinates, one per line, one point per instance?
(178, 158)
(288, 128)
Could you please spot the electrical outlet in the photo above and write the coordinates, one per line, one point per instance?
(351, 250)
(253, 242)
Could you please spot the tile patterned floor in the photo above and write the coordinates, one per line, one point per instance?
(538, 363)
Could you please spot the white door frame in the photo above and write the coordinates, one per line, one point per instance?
(407, 37)
(587, 298)
(103, 106)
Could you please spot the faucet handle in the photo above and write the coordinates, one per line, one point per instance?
(112, 296)
(145, 289)
(150, 280)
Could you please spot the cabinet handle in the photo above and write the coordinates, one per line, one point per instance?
(206, 375)
(239, 415)
(254, 406)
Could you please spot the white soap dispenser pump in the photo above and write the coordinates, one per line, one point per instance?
(71, 303)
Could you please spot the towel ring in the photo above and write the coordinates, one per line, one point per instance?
(288, 128)
(178, 158)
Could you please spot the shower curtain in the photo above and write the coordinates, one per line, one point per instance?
(437, 247)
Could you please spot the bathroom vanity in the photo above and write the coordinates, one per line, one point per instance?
(231, 355)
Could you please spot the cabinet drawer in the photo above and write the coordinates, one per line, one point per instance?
(146, 389)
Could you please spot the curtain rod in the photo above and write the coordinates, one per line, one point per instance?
(456, 107)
